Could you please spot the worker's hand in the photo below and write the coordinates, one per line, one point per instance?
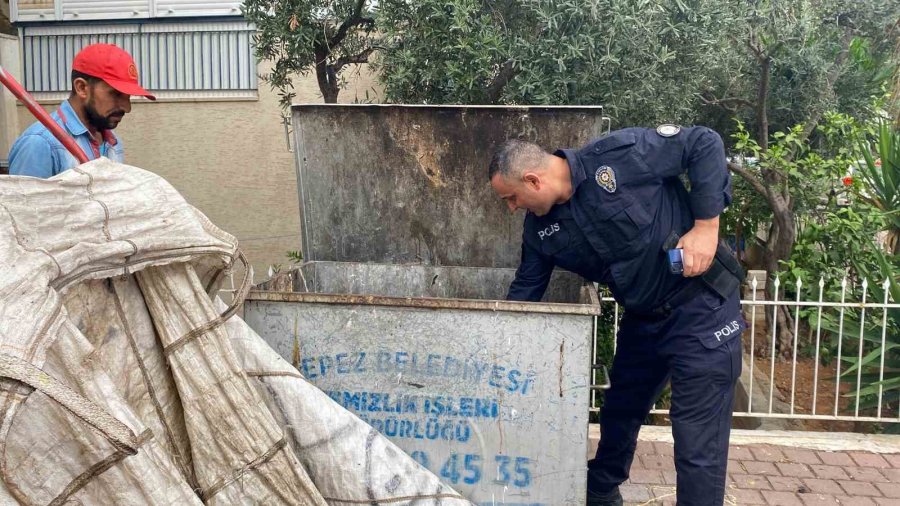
(699, 246)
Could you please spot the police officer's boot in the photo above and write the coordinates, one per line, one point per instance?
(612, 498)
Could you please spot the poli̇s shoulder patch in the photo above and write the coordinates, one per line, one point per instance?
(668, 130)
(606, 178)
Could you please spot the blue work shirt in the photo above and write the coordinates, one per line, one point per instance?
(628, 197)
(38, 153)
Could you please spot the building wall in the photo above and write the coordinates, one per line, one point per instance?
(9, 125)
(230, 160)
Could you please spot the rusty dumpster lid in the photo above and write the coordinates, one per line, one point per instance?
(408, 184)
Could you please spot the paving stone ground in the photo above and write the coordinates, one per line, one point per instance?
(774, 475)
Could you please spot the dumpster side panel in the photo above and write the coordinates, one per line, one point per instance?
(492, 402)
(396, 184)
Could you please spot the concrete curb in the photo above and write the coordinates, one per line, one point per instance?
(827, 441)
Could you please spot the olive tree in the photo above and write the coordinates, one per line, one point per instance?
(302, 36)
(778, 67)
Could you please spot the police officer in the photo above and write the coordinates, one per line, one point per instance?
(611, 212)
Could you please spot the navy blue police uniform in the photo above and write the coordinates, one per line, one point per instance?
(629, 204)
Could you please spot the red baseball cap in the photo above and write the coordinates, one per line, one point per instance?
(112, 64)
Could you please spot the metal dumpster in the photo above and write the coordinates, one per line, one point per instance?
(398, 313)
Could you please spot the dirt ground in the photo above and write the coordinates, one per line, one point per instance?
(804, 388)
(806, 383)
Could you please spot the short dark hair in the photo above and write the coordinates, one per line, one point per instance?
(515, 155)
(91, 80)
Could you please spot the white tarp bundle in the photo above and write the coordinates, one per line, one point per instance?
(122, 382)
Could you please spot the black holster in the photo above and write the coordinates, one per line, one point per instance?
(725, 275)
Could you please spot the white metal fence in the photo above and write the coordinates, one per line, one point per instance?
(841, 361)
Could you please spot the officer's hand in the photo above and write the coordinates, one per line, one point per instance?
(699, 246)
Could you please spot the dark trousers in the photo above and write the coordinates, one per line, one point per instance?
(698, 347)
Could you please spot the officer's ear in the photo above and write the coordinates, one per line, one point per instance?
(532, 180)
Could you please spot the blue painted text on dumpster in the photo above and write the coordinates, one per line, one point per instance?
(432, 365)
(471, 468)
(439, 405)
(437, 417)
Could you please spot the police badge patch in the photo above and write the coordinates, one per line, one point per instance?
(606, 178)
(668, 130)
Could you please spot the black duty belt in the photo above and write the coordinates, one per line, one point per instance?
(724, 276)
(684, 294)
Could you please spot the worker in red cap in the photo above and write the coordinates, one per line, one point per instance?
(104, 78)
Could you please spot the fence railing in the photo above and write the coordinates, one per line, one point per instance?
(829, 360)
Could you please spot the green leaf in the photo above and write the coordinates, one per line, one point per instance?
(870, 357)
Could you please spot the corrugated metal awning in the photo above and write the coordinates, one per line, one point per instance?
(192, 56)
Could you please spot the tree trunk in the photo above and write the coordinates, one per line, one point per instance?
(780, 244)
(325, 76)
(494, 90)
(328, 85)
(331, 94)
(762, 117)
